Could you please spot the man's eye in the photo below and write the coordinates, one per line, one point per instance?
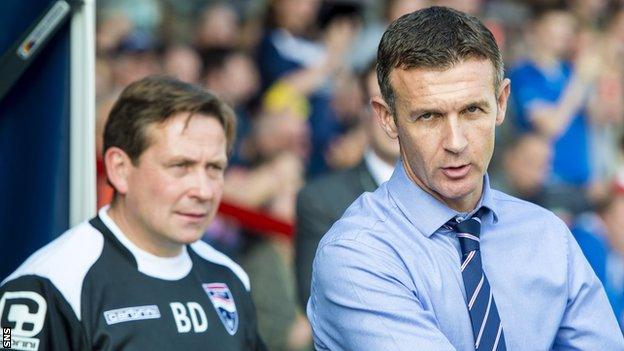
(426, 116)
(472, 109)
(180, 167)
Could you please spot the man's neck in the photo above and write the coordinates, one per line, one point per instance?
(545, 60)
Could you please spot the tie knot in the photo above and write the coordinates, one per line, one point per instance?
(468, 232)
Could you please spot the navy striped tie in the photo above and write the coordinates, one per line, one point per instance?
(486, 324)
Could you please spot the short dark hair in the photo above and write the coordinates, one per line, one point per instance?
(214, 59)
(434, 37)
(539, 10)
(156, 99)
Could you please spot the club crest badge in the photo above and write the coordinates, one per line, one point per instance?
(223, 302)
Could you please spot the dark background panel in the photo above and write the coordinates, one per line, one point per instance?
(34, 141)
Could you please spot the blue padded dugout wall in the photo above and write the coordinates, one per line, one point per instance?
(34, 141)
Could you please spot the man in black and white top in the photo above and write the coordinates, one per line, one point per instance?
(137, 277)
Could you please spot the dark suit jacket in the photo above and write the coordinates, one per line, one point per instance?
(319, 204)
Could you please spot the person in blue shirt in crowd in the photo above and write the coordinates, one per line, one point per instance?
(550, 93)
(600, 235)
(435, 259)
(286, 55)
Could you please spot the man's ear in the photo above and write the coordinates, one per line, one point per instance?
(118, 166)
(501, 100)
(384, 116)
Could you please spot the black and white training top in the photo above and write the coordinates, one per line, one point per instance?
(93, 289)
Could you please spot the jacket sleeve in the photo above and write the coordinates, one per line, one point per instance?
(39, 317)
(312, 223)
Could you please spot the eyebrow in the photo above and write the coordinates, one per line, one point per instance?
(189, 160)
(180, 159)
(220, 162)
(420, 111)
(480, 103)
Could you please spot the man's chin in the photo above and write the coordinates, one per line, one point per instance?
(458, 191)
(190, 235)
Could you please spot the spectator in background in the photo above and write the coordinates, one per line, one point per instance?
(218, 26)
(472, 7)
(268, 181)
(346, 150)
(280, 321)
(589, 13)
(145, 15)
(364, 48)
(112, 26)
(615, 30)
(601, 237)
(287, 55)
(551, 94)
(275, 153)
(275, 172)
(103, 78)
(232, 75)
(610, 88)
(135, 58)
(526, 164)
(606, 105)
(182, 62)
(323, 200)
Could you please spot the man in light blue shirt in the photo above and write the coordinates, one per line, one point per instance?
(399, 270)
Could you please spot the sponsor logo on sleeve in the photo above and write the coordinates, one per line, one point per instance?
(24, 313)
(224, 304)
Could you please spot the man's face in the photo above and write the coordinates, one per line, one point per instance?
(296, 15)
(445, 121)
(528, 164)
(173, 192)
(555, 32)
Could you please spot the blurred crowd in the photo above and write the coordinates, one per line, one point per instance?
(295, 71)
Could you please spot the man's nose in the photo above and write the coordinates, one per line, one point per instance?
(455, 140)
(203, 187)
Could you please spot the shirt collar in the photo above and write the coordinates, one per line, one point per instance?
(166, 268)
(379, 169)
(424, 211)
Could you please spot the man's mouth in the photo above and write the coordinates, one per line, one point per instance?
(456, 172)
(192, 215)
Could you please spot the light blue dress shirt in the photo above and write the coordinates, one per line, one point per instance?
(387, 277)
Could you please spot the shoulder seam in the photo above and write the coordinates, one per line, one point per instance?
(44, 264)
(210, 254)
